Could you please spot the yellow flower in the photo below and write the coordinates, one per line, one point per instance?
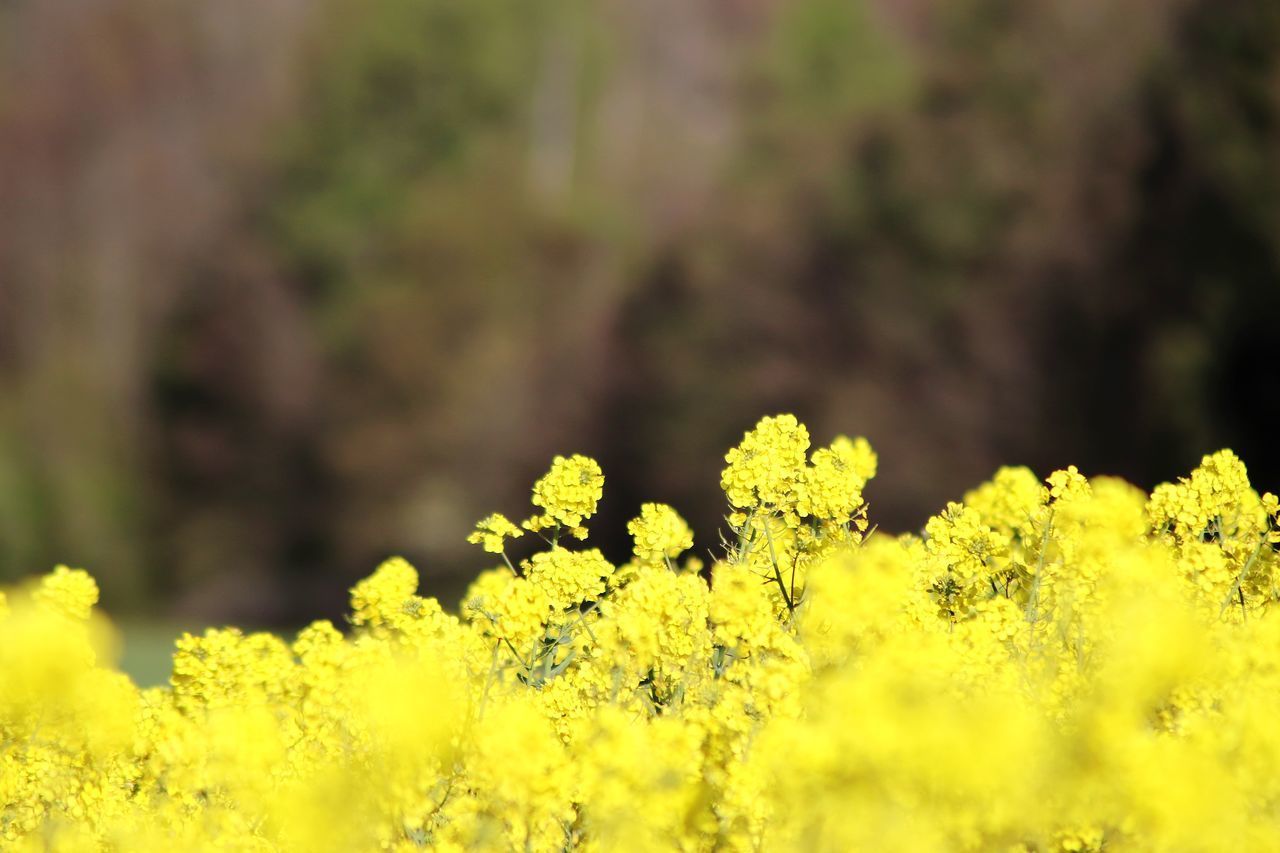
(386, 597)
(511, 608)
(1067, 485)
(764, 468)
(569, 578)
(659, 533)
(568, 494)
(492, 530)
(1070, 665)
(70, 591)
(832, 488)
(1011, 501)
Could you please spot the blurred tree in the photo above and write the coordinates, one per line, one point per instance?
(122, 146)
(287, 287)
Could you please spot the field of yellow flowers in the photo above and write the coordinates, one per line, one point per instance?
(1061, 665)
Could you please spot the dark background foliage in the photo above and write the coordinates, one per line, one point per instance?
(286, 287)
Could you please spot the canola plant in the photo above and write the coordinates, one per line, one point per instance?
(1061, 665)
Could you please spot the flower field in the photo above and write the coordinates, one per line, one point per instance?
(1066, 664)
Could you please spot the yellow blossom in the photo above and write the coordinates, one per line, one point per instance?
(492, 530)
(70, 591)
(831, 488)
(569, 577)
(659, 533)
(1060, 665)
(764, 468)
(568, 494)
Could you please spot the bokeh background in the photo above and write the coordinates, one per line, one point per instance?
(287, 286)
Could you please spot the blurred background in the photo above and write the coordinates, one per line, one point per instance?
(288, 286)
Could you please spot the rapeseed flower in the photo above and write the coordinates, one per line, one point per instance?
(568, 495)
(1058, 664)
(660, 534)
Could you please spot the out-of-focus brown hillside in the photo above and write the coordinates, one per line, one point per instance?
(286, 287)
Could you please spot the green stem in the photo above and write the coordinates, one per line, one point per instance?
(488, 681)
(777, 572)
(1033, 597)
(1237, 588)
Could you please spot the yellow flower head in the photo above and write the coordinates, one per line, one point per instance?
(568, 494)
(380, 599)
(1215, 501)
(1270, 509)
(741, 608)
(765, 467)
(512, 608)
(71, 592)
(1012, 500)
(659, 533)
(492, 530)
(832, 488)
(963, 553)
(1067, 485)
(569, 578)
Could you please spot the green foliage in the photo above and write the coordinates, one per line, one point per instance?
(401, 99)
(249, 341)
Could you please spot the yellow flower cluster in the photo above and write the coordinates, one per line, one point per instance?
(790, 512)
(1220, 527)
(832, 487)
(1049, 665)
(569, 578)
(568, 495)
(765, 467)
(492, 531)
(660, 534)
(70, 590)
